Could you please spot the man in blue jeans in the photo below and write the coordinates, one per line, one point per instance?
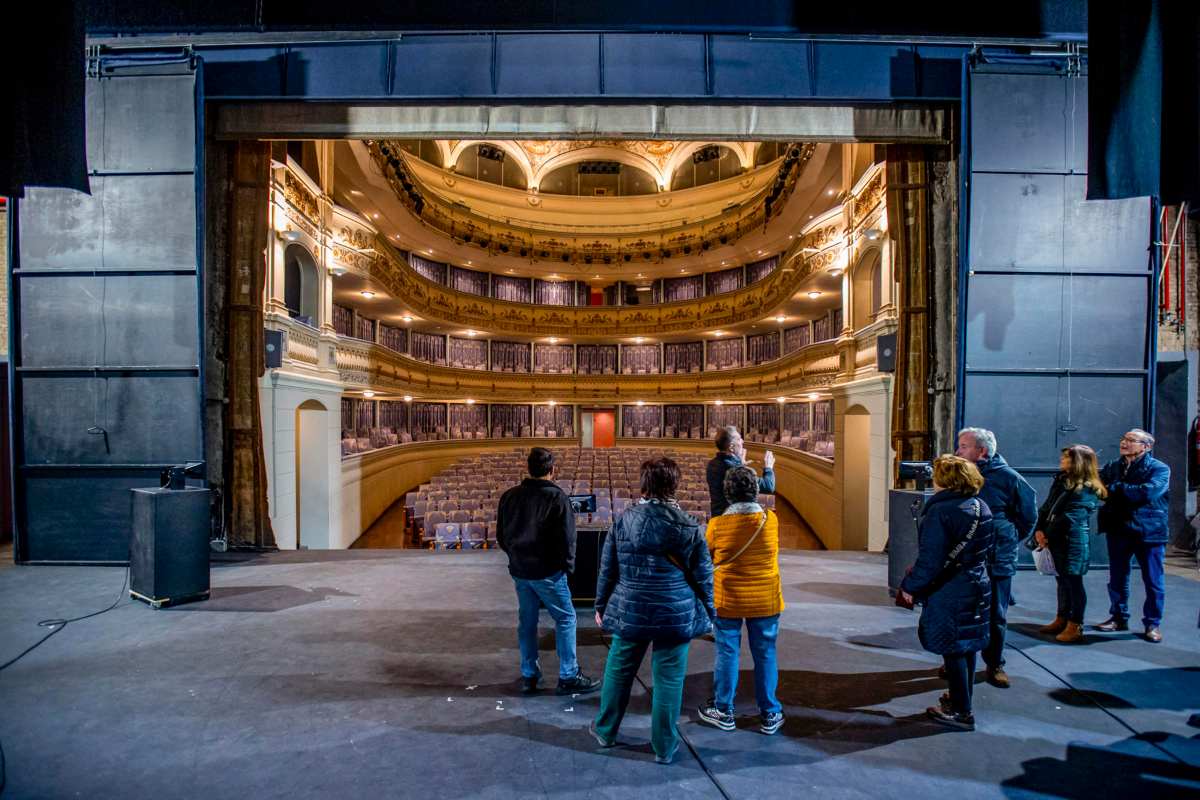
(535, 526)
(1134, 517)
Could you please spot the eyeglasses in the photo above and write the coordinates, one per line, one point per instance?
(1132, 440)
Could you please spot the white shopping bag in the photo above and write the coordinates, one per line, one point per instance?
(1044, 561)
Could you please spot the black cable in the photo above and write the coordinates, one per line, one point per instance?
(1088, 696)
(682, 736)
(55, 625)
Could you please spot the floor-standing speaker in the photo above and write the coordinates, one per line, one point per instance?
(168, 553)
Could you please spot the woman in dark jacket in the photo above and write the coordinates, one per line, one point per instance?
(1063, 525)
(655, 587)
(951, 579)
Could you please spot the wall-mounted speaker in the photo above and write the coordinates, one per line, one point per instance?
(273, 343)
(885, 353)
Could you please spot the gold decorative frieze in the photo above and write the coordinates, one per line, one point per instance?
(296, 193)
(366, 365)
(434, 301)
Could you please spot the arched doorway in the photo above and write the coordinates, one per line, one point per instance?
(312, 476)
(867, 291)
(300, 293)
(856, 478)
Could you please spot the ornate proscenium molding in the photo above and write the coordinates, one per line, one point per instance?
(434, 301)
(542, 241)
(364, 365)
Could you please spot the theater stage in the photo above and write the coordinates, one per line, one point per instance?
(392, 674)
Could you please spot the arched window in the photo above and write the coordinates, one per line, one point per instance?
(300, 284)
(867, 279)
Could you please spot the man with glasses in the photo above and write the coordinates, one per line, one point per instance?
(1135, 520)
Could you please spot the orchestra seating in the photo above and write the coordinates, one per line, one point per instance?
(456, 509)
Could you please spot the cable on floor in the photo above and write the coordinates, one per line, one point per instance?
(55, 625)
(682, 736)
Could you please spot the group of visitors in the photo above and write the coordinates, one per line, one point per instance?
(983, 510)
(663, 582)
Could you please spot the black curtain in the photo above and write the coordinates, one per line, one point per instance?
(43, 143)
(1143, 104)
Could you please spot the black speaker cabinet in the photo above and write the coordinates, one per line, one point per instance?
(273, 343)
(168, 554)
(589, 544)
(904, 506)
(885, 353)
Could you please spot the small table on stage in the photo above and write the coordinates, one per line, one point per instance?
(589, 544)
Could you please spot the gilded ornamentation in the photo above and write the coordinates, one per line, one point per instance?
(299, 196)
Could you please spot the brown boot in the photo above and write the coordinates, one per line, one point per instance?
(1058, 626)
(1072, 633)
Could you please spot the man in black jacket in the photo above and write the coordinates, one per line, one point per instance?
(1014, 515)
(535, 526)
(731, 452)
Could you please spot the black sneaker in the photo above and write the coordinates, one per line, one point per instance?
(959, 722)
(530, 685)
(580, 684)
(771, 722)
(714, 716)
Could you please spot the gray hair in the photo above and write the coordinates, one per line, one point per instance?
(725, 437)
(1145, 436)
(983, 438)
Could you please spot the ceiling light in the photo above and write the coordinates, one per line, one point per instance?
(367, 293)
(872, 234)
(408, 398)
(810, 216)
(639, 275)
(780, 399)
(554, 277)
(719, 402)
(292, 236)
(643, 288)
(471, 333)
(470, 402)
(552, 403)
(375, 215)
(718, 333)
(368, 394)
(814, 294)
(428, 252)
(641, 402)
(638, 339)
(835, 272)
(683, 271)
(468, 263)
(597, 277)
(829, 192)
(510, 272)
(406, 318)
(813, 395)
(553, 340)
(781, 319)
(337, 272)
(356, 193)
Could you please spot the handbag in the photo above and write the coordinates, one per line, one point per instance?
(1044, 561)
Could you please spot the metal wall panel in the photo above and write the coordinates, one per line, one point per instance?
(106, 330)
(635, 66)
(1056, 337)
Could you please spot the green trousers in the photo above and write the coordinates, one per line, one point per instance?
(668, 663)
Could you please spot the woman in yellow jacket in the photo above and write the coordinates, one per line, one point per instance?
(744, 542)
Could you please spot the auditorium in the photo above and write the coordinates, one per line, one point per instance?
(299, 299)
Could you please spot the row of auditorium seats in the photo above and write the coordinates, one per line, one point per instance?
(376, 438)
(456, 509)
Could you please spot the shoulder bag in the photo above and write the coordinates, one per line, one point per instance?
(744, 547)
(951, 566)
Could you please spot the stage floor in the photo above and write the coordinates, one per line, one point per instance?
(392, 674)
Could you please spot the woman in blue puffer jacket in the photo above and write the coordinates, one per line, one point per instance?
(655, 587)
(951, 579)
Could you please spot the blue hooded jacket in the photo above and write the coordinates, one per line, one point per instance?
(1014, 512)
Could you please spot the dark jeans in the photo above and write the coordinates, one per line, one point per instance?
(960, 672)
(993, 654)
(1072, 599)
(1121, 549)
